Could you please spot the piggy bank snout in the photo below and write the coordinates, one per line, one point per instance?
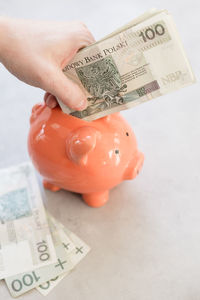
(134, 166)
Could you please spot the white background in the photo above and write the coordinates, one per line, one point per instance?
(146, 241)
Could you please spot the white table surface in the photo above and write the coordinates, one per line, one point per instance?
(146, 240)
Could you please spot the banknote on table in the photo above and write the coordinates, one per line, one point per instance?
(48, 286)
(25, 281)
(81, 248)
(80, 252)
(65, 251)
(142, 60)
(25, 239)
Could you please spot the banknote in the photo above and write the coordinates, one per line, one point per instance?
(48, 286)
(140, 61)
(81, 250)
(23, 282)
(68, 254)
(25, 238)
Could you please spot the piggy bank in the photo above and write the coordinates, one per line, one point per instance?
(89, 158)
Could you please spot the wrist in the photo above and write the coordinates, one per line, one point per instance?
(3, 37)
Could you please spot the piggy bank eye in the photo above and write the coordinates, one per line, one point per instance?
(116, 151)
(127, 133)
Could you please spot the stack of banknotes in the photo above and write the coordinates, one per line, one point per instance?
(36, 251)
(140, 61)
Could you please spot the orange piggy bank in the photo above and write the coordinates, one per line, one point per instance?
(89, 158)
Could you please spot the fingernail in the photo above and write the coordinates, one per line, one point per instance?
(81, 105)
(51, 102)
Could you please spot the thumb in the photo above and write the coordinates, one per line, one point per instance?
(66, 90)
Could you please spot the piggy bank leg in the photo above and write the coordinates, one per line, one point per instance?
(49, 186)
(96, 199)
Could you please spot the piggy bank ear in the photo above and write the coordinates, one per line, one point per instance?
(36, 111)
(80, 143)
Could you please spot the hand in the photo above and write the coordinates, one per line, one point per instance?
(36, 52)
